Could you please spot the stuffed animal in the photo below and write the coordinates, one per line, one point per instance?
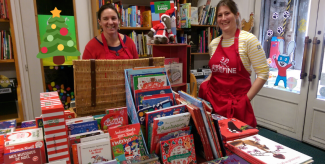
(163, 30)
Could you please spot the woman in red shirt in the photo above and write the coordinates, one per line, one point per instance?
(110, 44)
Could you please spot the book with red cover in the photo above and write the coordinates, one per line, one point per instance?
(233, 128)
(197, 119)
(30, 156)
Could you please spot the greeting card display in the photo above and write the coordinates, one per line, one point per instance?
(178, 150)
(233, 129)
(260, 150)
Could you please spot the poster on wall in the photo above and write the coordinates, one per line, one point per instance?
(57, 32)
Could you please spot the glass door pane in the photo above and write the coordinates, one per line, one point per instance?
(283, 34)
(321, 83)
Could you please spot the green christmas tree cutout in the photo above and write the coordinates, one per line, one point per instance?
(57, 42)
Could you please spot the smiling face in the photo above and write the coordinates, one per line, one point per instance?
(109, 21)
(226, 19)
(283, 60)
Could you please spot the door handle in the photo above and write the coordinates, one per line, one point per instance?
(303, 73)
(311, 70)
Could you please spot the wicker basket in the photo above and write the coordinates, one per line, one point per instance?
(103, 88)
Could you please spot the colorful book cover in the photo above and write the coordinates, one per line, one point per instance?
(5, 131)
(150, 116)
(113, 120)
(139, 94)
(146, 16)
(149, 81)
(159, 8)
(74, 139)
(8, 124)
(186, 15)
(114, 161)
(233, 129)
(194, 16)
(191, 100)
(83, 127)
(258, 149)
(31, 156)
(168, 124)
(178, 150)
(99, 118)
(146, 159)
(157, 103)
(30, 123)
(126, 142)
(175, 73)
(95, 151)
(218, 117)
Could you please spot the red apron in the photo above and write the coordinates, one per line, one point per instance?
(123, 53)
(227, 89)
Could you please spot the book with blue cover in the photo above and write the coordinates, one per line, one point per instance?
(83, 127)
(156, 103)
(8, 124)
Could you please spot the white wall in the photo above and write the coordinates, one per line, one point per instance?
(28, 47)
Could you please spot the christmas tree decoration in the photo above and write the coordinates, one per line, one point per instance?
(57, 42)
(53, 26)
(63, 31)
(44, 50)
(70, 43)
(60, 47)
(50, 38)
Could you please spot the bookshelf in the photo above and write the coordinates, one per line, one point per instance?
(12, 64)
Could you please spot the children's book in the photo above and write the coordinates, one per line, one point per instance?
(114, 161)
(215, 124)
(83, 127)
(233, 128)
(5, 131)
(74, 139)
(149, 81)
(95, 138)
(113, 120)
(168, 124)
(258, 149)
(140, 93)
(95, 151)
(178, 150)
(26, 124)
(77, 120)
(218, 117)
(175, 73)
(146, 159)
(125, 141)
(194, 16)
(8, 124)
(30, 156)
(138, 72)
(150, 116)
(99, 118)
(191, 100)
(158, 103)
(186, 15)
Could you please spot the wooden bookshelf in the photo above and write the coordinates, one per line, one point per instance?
(4, 20)
(20, 113)
(7, 61)
(199, 53)
(195, 25)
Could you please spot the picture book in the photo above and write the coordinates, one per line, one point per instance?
(5, 131)
(99, 118)
(218, 117)
(146, 159)
(175, 73)
(123, 111)
(126, 141)
(8, 124)
(168, 124)
(74, 139)
(138, 72)
(158, 103)
(139, 94)
(114, 161)
(178, 150)
(31, 156)
(150, 116)
(170, 135)
(149, 81)
(233, 128)
(95, 151)
(77, 120)
(83, 127)
(95, 138)
(113, 120)
(258, 149)
(191, 100)
(230, 158)
(26, 124)
(215, 124)
(185, 15)
(194, 16)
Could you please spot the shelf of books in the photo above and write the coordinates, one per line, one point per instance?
(157, 125)
(7, 61)
(4, 20)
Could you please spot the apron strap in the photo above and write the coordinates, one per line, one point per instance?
(122, 44)
(236, 41)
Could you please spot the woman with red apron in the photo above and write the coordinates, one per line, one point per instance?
(229, 88)
(229, 83)
(110, 44)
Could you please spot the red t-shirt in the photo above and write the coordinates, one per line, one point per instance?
(95, 50)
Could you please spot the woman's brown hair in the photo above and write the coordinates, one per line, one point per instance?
(233, 8)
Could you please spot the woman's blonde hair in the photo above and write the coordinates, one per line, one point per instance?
(233, 8)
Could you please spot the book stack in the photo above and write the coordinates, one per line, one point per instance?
(55, 129)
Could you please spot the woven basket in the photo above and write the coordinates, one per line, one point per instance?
(108, 81)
